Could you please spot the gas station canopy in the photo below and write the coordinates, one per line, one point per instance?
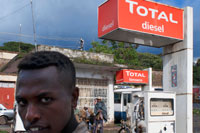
(141, 22)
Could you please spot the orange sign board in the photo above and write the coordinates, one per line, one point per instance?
(107, 16)
(7, 97)
(132, 76)
(139, 16)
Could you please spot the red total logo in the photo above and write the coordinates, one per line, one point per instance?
(154, 13)
(132, 76)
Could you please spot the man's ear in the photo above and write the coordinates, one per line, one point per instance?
(75, 95)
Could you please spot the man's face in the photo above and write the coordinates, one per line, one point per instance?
(98, 100)
(44, 104)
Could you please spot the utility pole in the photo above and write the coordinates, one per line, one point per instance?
(33, 26)
(20, 30)
(81, 44)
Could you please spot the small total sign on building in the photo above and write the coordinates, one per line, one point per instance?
(132, 76)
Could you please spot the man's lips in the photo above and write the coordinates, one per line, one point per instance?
(35, 129)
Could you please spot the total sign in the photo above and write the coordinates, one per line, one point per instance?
(132, 20)
(132, 76)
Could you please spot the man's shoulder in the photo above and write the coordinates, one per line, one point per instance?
(102, 103)
(81, 128)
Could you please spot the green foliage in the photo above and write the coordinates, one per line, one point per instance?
(196, 111)
(98, 48)
(150, 60)
(94, 62)
(198, 62)
(17, 47)
(125, 53)
(196, 75)
(3, 131)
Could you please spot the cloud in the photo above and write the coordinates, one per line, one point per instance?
(53, 18)
(72, 17)
(195, 4)
(14, 13)
(67, 18)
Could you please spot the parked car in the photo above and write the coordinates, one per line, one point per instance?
(198, 98)
(5, 115)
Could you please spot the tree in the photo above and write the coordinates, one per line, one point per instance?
(198, 62)
(196, 75)
(125, 53)
(98, 48)
(17, 47)
(150, 60)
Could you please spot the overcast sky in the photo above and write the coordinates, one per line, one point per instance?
(64, 22)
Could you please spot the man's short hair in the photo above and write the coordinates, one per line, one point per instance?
(42, 59)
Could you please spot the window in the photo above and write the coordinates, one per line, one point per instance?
(117, 98)
(129, 98)
(161, 107)
(90, 89)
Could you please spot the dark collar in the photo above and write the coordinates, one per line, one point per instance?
(71, 126)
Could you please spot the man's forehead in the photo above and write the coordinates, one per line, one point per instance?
(38, 80)
(39, 71)
(50, 72)
(35, 93)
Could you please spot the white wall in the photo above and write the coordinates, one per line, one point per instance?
(7, 55)
(79, 54)
(181, 55)
(101, 74)
(8, 78)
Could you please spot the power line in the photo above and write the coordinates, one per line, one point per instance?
(3, 39)
(11, 13)
(41, 37)
(68, 46)
(58, 38)
(74, 46)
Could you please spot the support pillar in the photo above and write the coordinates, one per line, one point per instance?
(148, 87)
(177, 74)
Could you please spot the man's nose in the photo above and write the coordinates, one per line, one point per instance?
(32, 113)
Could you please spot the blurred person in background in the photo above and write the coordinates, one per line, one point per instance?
(100, 112)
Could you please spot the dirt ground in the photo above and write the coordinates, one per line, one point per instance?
(196, 123)
(115, 129)
(5, 128)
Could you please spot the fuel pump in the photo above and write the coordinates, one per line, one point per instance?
(153, 112)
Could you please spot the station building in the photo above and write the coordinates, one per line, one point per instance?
(94, 72)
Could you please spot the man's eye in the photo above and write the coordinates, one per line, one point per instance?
(22, 103)
(46, 100)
